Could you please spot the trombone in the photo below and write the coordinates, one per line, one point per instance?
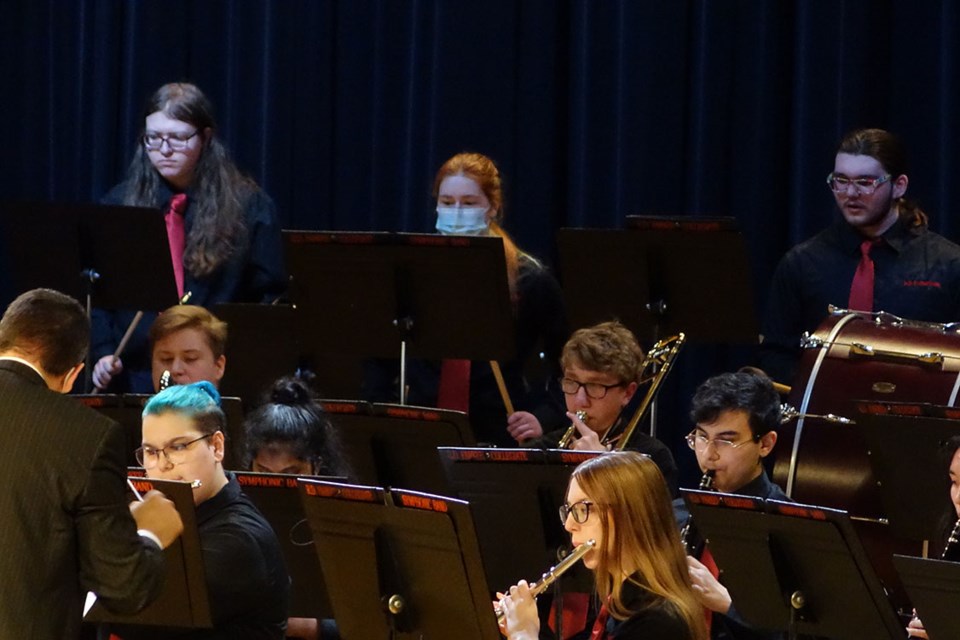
(655, 367)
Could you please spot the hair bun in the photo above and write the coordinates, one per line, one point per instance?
(207, 388)
(290, 391)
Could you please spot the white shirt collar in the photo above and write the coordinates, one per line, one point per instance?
(22, 361)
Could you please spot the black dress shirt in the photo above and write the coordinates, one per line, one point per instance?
(917, 276)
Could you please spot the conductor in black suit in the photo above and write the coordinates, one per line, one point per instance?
(66, 527)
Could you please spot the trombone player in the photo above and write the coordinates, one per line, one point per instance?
(602, 366)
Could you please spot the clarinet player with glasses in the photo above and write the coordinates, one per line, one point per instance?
(735, 416)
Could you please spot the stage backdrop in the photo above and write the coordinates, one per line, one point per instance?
(594, 109)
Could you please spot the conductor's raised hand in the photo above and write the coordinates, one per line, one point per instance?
(157, 515)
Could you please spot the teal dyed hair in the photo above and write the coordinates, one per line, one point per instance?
(199, 401)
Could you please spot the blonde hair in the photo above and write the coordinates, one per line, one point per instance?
(188, 316)
(484, 172)
(608, 347)
(630, 491)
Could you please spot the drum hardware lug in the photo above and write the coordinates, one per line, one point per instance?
(808, 341)
(788, 412)
(930, 357)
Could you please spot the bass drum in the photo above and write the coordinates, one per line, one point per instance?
(824, 460)
(851, 357)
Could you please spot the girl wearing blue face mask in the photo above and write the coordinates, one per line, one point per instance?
(469, 199)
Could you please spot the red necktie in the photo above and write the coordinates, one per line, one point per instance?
(600, 626)
(454, 389)
(176, 237)
(706, 558)
(861, 289)
(575, 609)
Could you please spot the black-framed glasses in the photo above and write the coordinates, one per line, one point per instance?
(176, 141)
(699, 442)
(595, 390)
(839, 183)
(580, 511)
(176, 453)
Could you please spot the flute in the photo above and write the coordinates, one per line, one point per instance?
(552, 574)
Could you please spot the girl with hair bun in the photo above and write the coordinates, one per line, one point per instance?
(291, 433)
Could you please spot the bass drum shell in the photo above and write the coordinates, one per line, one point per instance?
(827, 463)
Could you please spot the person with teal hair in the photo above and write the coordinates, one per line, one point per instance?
(183, 439)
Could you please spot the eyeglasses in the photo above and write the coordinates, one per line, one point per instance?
(866, 186)
(176, 141)
(698, 442)
(595, 390)
(579, 510)
(176, 453)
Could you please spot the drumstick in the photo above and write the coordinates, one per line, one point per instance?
(123, 341)
(781, 388)
(126, 336)
(495, 366)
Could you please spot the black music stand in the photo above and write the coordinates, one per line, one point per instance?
(260, 348)
(51, 245)
(904, 458)
(515, 495)
(408, 563)
(661, 276)
(184, 600)
(277, 498)
(393, 295)
(112, 257)
(794, 567)
(396, 446)
(934, 589)
(127, 409)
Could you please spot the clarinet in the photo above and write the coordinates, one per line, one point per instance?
(951, 550)
(706, 484)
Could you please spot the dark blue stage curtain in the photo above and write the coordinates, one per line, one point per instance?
(594, 109)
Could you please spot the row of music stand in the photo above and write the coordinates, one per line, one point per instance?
(416, 567)
(423, 449)
(391, 294)
(412, 560)
(772, 554)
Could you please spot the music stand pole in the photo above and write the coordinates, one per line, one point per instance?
(90, 276)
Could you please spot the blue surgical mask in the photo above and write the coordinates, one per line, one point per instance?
(469, 221)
